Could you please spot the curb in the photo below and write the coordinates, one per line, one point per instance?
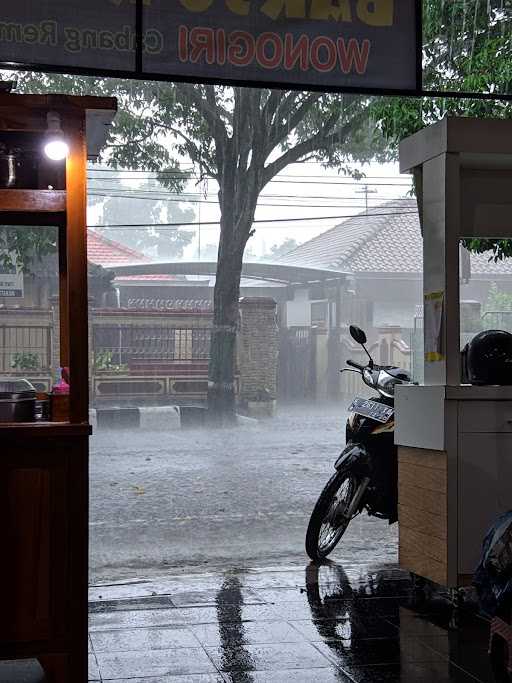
(154, 418)
(147, 417)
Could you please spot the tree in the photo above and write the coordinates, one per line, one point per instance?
(498, 300)
(209, 252)
(239, 137)
(467, 47)
(24, 246)
(125, 206)
(278, 250)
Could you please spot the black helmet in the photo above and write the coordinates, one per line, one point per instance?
(489, 358)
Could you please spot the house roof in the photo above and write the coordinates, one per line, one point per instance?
(105, 252)
(386, 240)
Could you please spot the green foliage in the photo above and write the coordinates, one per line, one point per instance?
(127, 206)
(26, 245)
(278, 250)
(499, 249)
(240, 137)
(25, 361)
(160, 123)
(99, 282)
(104, 362)
(497, 300)
(467, 47)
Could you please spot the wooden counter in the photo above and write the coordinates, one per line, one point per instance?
(44, 568)
(36, 429)
(454, 473)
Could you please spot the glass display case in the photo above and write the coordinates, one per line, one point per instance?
(45, 142)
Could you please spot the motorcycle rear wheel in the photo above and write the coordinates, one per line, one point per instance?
(327, 524)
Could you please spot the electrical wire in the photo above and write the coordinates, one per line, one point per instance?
(155, 175)
(162, 194)
(280, 179)
(270, 220)
(211, 201)
(188, 193)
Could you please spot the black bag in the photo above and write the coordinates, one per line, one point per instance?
(493, 576)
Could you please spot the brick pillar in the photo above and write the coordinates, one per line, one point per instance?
(258, 353)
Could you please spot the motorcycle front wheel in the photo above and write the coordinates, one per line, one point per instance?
(328, 523)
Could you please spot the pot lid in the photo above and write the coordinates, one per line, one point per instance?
(13, 385)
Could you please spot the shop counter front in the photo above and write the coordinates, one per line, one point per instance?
(454, 474)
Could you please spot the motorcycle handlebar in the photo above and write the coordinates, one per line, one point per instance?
(353, 364)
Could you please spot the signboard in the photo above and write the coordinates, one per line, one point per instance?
(11, 280)
(325, 44)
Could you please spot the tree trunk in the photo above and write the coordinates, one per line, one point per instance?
(239, 188)
(221, 369)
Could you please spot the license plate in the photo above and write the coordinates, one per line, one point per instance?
(368, 408)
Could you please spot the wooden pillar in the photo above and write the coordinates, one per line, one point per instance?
(76, 207)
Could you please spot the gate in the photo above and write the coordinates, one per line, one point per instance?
(297, 363)
(25, 348)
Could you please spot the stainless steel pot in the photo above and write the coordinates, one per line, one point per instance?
(18, 168)
(17, 400)
(9, 164)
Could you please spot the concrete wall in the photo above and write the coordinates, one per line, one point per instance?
(298, 311)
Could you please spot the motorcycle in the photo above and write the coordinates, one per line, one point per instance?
(366, 472)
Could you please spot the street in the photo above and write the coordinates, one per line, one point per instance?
(189, 500)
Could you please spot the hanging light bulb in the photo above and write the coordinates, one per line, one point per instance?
(55, 147)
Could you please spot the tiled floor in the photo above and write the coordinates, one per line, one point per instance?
(315, 625)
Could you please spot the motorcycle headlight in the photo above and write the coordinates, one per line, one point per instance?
(387, 384)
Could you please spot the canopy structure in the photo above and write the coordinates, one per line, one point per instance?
(285, 274)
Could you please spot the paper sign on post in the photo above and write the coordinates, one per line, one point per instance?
(433, 323)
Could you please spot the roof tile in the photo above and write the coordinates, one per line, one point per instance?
(104, 252)
(386, 240)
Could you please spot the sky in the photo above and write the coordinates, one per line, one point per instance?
(304, 191)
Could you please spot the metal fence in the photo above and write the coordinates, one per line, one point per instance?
(296, 372)
(119, 347)
(25, 348)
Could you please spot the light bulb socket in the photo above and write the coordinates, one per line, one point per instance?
(53, 122)
(55, 146)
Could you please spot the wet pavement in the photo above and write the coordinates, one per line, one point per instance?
(188, 500)
(317, 624)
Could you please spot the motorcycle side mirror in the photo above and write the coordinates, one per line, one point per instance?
(357, 334)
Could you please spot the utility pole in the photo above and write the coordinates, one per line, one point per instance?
(366, 191)
(199, 231)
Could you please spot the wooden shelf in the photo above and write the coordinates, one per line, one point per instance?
(43, 429)
(51, 201)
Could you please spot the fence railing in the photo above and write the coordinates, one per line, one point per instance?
(25, 348)
(120, 347)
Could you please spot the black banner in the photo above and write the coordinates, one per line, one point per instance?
(360, 44)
